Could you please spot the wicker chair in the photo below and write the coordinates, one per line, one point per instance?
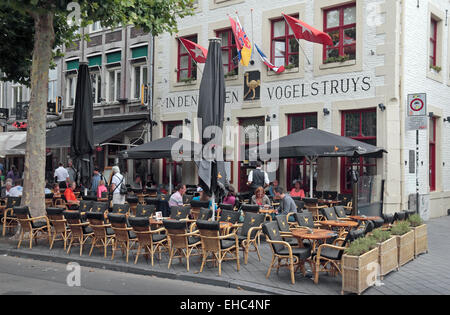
(217, 246)
(102, 232)
(329, 213)
(250, 208)
(59, 224)
(340, 212)
(328, 256)
(124, 235)
(229, 216)
(7, 216)
(80, 231)
(86, 205)
(181, 241)
(145, 210)
(248, 233)
(282, 250)
(151, 241)
(30, 225)
(196, 205)
(305, 219)
(133, 201)
(180, 212)
(121, 209)
(285, 231)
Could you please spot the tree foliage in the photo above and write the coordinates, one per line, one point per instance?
(17, 24)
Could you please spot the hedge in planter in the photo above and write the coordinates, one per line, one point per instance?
(388, 252)
(358, 264)
(405, 241)
(420, 234)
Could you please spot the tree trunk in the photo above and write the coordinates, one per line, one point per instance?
(34, 184)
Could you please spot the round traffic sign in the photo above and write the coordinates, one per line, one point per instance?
(416, 104)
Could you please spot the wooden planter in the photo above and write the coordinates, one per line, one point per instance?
(405, 244)
(420, 240)
(357, 271)
(388, 256)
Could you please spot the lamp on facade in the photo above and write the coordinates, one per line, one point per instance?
(268, 118)
(187, 121)
(431, 114)
(382, 107)
(274, 116)
(447, 119)
(326, 111)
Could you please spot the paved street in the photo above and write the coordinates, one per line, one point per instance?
(428, 274)
(25, 276)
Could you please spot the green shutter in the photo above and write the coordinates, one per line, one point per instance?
(139, 52)
(114, 57)
(72, 65)
(95, 61)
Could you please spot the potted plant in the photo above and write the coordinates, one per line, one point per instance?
(436, 68)
(387, 251)
(405, 241)
(420, 234)
(358, 264)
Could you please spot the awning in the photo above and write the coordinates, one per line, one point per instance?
(9, 141)
(59, 137)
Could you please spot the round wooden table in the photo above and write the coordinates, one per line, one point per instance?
(361, 218)
(316, 236)
(341, 225)
(331, 203)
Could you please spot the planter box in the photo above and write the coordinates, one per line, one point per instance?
(420, 240)
(405, 244)
(388, 256)
(359, 272)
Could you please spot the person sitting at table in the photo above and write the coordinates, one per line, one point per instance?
(70, 196)
(204, 196)
(297, 191)
(56, 190)
(272, 187)
(260, 198)
(16, 191)
(101, 188)
(287, 204)
(177, 197)
(7, 188)
(230, 198)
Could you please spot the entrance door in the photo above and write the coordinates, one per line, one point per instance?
(252, 135)
(299, 168)
(168, 127)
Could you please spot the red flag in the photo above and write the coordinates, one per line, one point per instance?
(197, 52)
(304, 31)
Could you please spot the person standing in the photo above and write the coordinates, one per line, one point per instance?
(61, 176)
(116, 183)
(258, 178)
(95, 180)
(72, 171)
(272, 187)
(13, 174)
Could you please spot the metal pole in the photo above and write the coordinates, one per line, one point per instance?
(170, 178)
(417, 171)
(213, 201)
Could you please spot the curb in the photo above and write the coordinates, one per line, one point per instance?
(134, 269)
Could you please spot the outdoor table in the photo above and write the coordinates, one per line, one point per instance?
(341, 225)
(314, 209)
(155, 222)
(331, 203)
(316, 236)
(361, 218)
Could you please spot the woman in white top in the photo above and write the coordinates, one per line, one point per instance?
(116, 182)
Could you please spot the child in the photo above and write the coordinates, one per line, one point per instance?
(101, 188)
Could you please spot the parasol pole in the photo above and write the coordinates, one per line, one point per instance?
(311, 175)
(170, 177)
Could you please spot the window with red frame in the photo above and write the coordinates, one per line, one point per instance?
(433, 41)
(187, 68)
(360, 125)
(299, 168)
(284, 46)
(229, 52)
(340, 24)
(432, 154)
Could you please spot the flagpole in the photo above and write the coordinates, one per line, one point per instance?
(253, 41)
(201, 72)
(298, 41)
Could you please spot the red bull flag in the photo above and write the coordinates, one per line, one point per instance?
(243, 43)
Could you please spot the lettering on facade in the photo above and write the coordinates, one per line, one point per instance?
(319, 88)
(191, 100)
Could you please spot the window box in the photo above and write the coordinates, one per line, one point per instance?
(337, 64)
(435, 69)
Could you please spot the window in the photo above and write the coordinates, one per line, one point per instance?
(113, 86)
(52, 84)
(71, 88)
(299, 168)
(360, 125)
(284, 46)
(432, 154)
(433, 42)
(140, 73)
(340, 24)
(187, 69)
(17, 96)
(176, 167)
(95, 27)
(1, 94)
(229, 52)
(96, 80)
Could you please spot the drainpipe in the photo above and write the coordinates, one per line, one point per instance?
(401, 102)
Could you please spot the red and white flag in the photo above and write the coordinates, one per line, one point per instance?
(197, 52)
(304, 31)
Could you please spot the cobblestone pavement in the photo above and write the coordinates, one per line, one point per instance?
(427, 274)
